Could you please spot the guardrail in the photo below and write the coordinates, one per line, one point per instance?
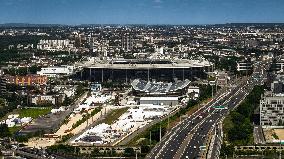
(259, 148)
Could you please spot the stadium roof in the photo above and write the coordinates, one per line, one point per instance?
(158, 87)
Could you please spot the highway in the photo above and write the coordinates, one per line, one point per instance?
(216, 143)
(185, 139)
(171, 141)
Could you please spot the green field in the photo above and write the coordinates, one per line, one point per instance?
(33, 112)
(14, 129)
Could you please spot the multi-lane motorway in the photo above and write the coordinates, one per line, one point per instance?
(186, 139)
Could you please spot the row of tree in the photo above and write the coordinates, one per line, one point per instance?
(238, 127)
(66, 150)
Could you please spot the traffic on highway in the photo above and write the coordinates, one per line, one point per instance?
(191, 138)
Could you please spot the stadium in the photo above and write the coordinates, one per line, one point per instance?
(126, 70)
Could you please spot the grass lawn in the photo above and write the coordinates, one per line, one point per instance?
(33, 112)
(28, 112)
(14, 129)
(113, 115)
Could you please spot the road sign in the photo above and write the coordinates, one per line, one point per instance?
(219, 107)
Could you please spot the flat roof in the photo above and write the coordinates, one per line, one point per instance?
(113, 64)
(158, 98)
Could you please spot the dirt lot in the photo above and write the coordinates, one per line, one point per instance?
(41, 142)
(280, 133)
(273, 134)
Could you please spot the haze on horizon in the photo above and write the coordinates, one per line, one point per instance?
(141, 11)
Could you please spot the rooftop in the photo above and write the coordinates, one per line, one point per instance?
(158, 87)
(145, 64)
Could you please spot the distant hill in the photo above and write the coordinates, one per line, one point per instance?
(24, 25)
(27, 25)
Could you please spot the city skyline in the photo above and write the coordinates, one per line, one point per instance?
(75, 12)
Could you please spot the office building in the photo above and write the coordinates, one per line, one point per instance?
(272, 110)
(127, 43)
(244, 66)
(54, 45)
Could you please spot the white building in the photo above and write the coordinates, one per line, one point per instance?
(159, 101)
(61, 109)
(68, 90)
(56, 71)
(193, 90)
(54, 45)
(14, 120)
(244, 66)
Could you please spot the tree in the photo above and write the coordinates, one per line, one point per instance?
(128, 152)
(33, 69)
(145, 149)
(226, 150)
(4, 131)
(95, 152)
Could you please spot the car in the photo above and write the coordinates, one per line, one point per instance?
(194, 147)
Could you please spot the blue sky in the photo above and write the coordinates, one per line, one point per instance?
(140, 11)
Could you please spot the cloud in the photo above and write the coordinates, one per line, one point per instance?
(158, 7)
(158, 1)
(158, 4)
(13, 2)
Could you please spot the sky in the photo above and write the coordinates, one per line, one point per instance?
(75, 12)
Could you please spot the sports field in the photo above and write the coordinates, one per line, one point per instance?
(33, 112)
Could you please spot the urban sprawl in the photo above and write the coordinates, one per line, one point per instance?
(142, 91)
